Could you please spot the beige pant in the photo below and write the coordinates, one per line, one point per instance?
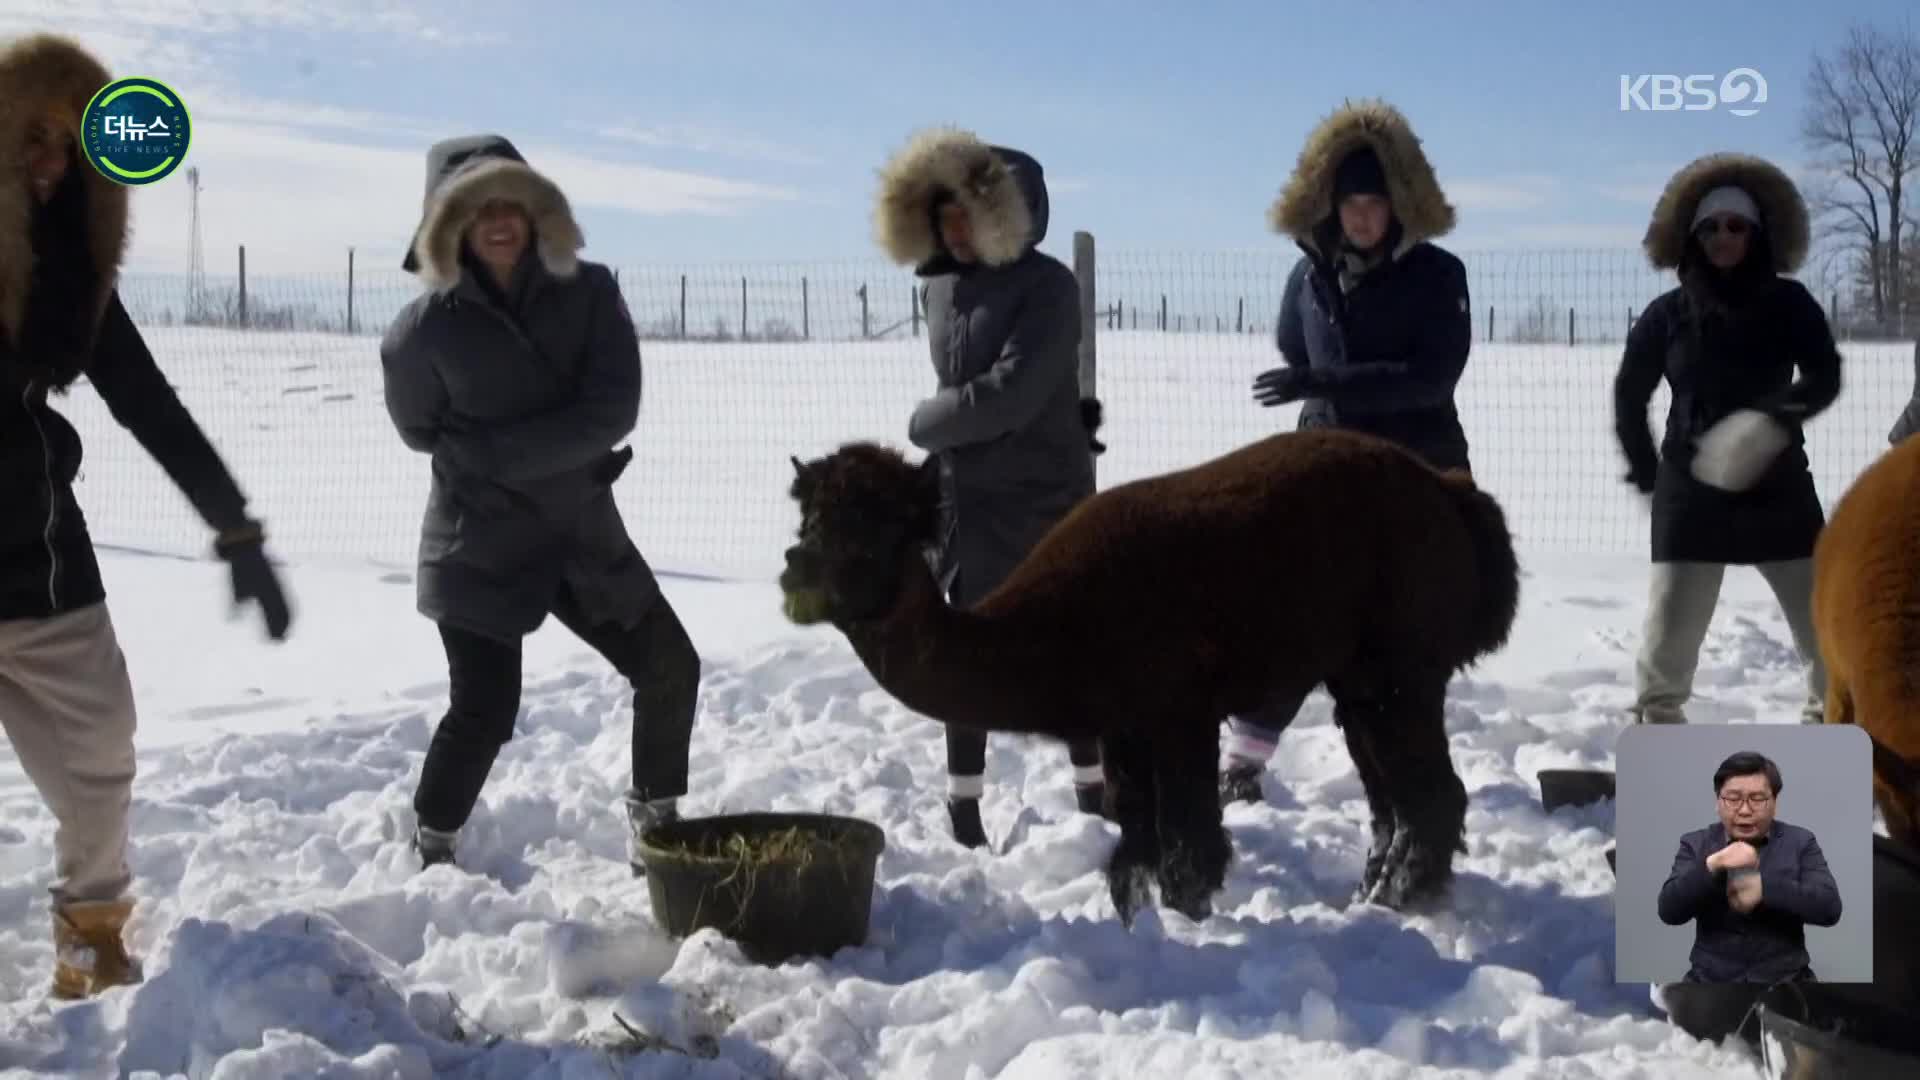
(1680, 603)
(66, 703)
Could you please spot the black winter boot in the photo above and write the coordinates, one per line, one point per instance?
(433, 846)
(641, 816)
(1091, 798)
(965, 815)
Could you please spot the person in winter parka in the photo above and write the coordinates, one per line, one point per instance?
(1374, 326)
(1730, 482)
(1909, 419)
(518, 371)
(1006, 423)
(66, 700)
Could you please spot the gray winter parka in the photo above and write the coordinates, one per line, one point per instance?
(1006, 421)
(520, 398)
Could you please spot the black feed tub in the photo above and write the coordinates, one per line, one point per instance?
(811, 894)
(1574, 787)
(1841, 1041)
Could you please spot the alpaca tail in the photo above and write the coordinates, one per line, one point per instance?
(1497, 565)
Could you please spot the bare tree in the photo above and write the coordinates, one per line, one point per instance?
(1536, 325)
(1862, 116)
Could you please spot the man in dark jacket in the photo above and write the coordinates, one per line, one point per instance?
(66, 701)
(1884, 1012)
(1730, 483)
(1006, 423)
(1374, 326)
(1750, 884)
(519, 372)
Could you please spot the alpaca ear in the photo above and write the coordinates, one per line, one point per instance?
(802, 485)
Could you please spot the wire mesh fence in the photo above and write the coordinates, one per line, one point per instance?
(748, 364)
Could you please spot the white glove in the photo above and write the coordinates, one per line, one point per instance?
(1734, 453)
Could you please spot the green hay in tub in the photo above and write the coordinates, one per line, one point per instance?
(789, 852)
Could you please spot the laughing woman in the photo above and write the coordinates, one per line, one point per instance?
(519, 372)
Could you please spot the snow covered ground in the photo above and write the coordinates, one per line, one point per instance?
(287, 933)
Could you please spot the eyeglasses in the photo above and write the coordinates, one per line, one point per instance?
(1754, 801)
(1733, 225)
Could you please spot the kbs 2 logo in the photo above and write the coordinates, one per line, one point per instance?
(1741, 92)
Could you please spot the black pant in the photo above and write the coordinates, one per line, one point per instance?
(1712, 1011)
(656, 656)
(967, 747)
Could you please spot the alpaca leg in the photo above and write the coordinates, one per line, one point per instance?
(1360, 730)
(1359, 716)
(1128, 764)
(1194, 846)
(1428, 796)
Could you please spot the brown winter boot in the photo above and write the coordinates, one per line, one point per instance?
(89, 955)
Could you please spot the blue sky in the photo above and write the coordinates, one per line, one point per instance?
(750, 130)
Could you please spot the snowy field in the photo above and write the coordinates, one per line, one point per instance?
(286, 932)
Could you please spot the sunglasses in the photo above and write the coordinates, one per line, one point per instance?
(1734, 226)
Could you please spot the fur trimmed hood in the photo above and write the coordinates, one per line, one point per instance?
(49, 76)
(464, 174)
(1782, 210)
(1306, 201)
(1004, 191)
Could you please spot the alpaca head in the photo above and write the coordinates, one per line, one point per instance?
(863, 508)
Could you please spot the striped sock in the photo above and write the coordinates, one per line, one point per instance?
(1246, 747)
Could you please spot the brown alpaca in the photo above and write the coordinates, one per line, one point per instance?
(1157, 608)
(1866, 611)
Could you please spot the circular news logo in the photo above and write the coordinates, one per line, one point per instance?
(135, 131)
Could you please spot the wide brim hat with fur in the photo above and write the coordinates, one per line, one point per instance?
(1783, 212)
(464, 174)
(48, 76)
(1004, 195)
(1419, 203)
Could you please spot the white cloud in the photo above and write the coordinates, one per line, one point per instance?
(1546, 235)
(296, 182)
(222, 104)
(1525, 192)
(1637, 185)
(155, 21)
(643, 189)
(298, 201)
(703, 141)
(124, 46)
(1639, 194)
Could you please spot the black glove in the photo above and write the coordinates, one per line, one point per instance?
(1092, 415)
(1642, 474)
(1282, 385)
(253, 577)
(611, 466)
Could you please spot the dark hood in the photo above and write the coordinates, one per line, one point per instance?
(46, 75)
(1305, 205)
(465, 173)
(1004, 191)
(1782, 210)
